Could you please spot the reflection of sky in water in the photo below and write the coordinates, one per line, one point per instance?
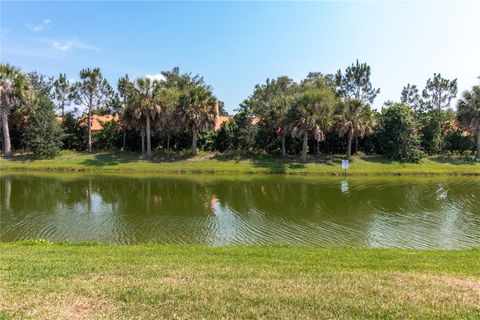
(327, 212)
(344, 186)
(223, 225)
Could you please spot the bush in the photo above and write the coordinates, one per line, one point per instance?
(206, 140)
(434, 124)
(110, 137)
(397, 134)
(456, 142)
(237, 134)
(43, 135)
(74, 135)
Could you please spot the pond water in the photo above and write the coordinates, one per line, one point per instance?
(400, 212)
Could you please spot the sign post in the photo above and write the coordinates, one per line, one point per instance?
(345, 166)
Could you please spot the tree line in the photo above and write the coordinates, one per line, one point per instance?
(321, 114)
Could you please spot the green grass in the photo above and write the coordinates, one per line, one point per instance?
(217, 163)
(80, 281)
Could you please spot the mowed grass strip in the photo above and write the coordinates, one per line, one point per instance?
(51, 281)
(228, 164)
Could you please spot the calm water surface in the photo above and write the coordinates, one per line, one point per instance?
(427, 212)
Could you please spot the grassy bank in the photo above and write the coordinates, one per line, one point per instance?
(215, 163)
(190, 282)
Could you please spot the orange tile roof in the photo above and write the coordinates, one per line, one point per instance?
(221, 120)
(98, 120)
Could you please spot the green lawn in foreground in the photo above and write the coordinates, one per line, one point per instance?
(47, 281)
(212, 163)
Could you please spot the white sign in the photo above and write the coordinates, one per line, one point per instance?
(344, 164)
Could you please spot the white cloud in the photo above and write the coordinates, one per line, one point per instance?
(45, 47)
(153, 77)
(64, 45)
(39, 27)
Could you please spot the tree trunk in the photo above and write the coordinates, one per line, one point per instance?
(7, 193)
(142, 134)
(194, 142)
(305, 146)
(478, 144)
(149, 195)
(89, 124)
(317, 147)
(356, 145)
(89, 196)
(168, 141)
(284, 148)
(124, 138)
(149, 140)
(349, 146)
(7, 146)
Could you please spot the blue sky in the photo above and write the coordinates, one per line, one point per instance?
(236, 45)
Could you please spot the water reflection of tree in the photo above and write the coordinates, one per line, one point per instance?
(421, 207)
(159, 209)
(151, 209)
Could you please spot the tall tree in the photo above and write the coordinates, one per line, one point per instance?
(439, 92)
(355, 83)
(63, 93)
(132, 123)
(354, 120)
(14, 89)
(221, 108)
(271, 102)
(43, 135)
(356, 90)
(319, 80)
(169, 100)
(93, 91)
(147, 106)
(126, 91)
(182, 81)
(468, 113)
(197, 111)
(410, 96)
(312, 112)
(437, 96)
(40, 82)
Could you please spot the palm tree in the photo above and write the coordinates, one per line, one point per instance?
(132, 123)
(312, 112)
(14, 88)
(169, 101)
(281, 106)
(468, 113)
(197, 111)
(354, 120)
(126, 91)
(146, 106)
(271, 103)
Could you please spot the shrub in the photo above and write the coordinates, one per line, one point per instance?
(397, 134)
(43, 135)
(455, 141)
(110, 137)
(74, 135)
